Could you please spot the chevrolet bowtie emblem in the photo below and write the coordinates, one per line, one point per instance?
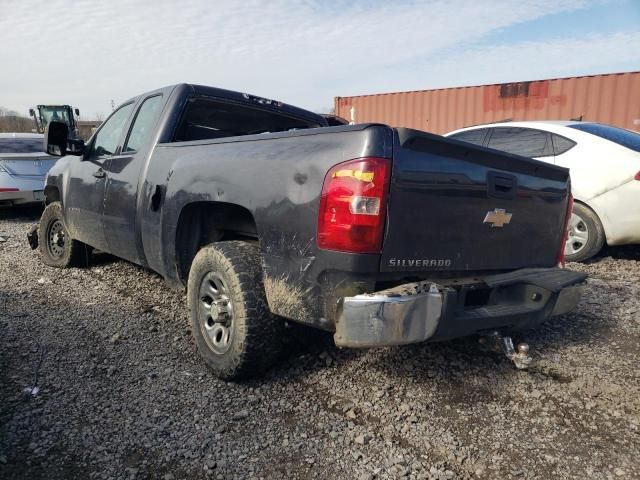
(498, 218)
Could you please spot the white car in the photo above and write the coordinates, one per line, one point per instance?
(604, 162)
(23, 166)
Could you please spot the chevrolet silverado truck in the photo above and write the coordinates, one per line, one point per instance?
(267, 215)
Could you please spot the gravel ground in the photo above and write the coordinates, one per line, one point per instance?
(121, 392)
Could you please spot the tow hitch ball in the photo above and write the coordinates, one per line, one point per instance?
(32, 237)
(518, 355)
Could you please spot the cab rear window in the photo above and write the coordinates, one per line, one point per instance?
(210, 118)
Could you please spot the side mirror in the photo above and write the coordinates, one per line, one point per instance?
(75, 147)
(55, 138)
(57, 143)
(32, 112)
(77, 112)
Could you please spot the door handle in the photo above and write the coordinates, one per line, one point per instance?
(99, 173)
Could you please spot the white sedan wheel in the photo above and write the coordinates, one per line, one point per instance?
(578, 235)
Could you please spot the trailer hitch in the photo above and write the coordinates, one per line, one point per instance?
(32, 237)
(518, 355)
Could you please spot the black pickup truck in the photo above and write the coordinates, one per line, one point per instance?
(384, 236)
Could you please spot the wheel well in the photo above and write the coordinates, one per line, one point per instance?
(586, 205)
(592, 210)
(52, 194)
(202, 223)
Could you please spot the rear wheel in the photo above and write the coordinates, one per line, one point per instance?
(234, 330)
(57, 247)
(585, 236)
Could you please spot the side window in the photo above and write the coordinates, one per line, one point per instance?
(521, 141)
(561, 144)
(109, 135)
(144, 123)
(471, 136)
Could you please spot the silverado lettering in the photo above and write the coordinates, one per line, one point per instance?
(419, 262)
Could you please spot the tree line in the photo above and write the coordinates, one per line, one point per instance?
(12, 121)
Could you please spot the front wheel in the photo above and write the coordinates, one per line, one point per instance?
(585, 236)
(57, 248)
(234, 330)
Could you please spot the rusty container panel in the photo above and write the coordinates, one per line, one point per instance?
(610, 98)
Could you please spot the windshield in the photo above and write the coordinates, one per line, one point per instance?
(623, 137)
(21, 145)
(58, 114)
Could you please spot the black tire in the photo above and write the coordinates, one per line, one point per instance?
(56, 246)
(235, 332)
(586, 235)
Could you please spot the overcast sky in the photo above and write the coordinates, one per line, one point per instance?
(303, 52)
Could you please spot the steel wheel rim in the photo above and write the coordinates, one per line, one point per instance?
(578, 235)
(56, 239)
(215, 313)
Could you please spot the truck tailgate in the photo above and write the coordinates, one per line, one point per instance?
(457, 207)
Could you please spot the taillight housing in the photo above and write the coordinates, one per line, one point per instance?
(353, 206)
(565, 234)
(637, 177)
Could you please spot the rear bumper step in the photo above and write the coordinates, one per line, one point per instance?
(417, 312)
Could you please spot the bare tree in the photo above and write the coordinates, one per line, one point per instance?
(12, 121)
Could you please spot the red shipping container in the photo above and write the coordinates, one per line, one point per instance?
(610, 98)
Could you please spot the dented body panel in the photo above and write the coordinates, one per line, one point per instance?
(157, 205)
(281, 191)
(421, 311)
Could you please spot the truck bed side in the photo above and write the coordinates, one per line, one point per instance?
(277, 179)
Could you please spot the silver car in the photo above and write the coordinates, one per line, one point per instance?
(23, 166)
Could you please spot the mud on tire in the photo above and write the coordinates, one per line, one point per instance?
(57, 247)
(234, 331)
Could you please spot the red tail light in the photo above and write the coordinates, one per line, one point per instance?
(565, 234)
(9, 190)
(637, 177)
(353, 205)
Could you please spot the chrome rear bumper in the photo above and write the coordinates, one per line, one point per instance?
(385, 319)
(422, 311)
